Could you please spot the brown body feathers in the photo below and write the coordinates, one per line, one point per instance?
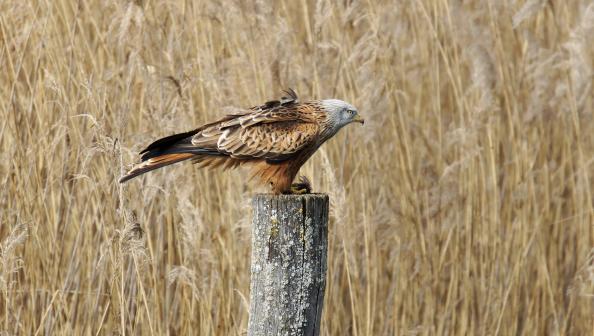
(275, 139)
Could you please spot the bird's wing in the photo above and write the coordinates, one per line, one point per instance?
(274, 141)
(273, 133)
(285, 109)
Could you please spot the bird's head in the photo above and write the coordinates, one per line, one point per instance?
(340, 113)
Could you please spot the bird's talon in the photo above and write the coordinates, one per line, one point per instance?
(296, 190)
(302, 187)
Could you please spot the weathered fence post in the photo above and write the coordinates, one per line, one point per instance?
(289, 249)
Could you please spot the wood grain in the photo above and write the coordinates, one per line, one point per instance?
(288, 271)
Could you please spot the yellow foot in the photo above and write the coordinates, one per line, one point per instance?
(302, 187)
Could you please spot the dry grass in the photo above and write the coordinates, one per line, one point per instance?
(464, 206)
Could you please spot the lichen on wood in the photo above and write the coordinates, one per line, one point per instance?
(288, 271)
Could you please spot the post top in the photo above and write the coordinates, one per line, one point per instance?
(292, 196)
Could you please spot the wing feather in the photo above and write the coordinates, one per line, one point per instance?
(271, 141)
(273, 131)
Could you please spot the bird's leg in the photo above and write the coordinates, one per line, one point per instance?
(301, 187)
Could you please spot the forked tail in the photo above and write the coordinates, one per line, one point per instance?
(155, 163)
(166, 151)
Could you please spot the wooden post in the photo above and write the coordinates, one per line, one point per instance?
(289, 249)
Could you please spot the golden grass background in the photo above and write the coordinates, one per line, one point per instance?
(462, 207)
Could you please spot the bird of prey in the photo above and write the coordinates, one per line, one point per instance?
(275, 139)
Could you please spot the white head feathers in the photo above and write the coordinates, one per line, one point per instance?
(336, 105)
(339, 113)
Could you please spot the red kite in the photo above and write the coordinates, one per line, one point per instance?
(275, 139)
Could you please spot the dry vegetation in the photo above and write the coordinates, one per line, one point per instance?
(464, 206)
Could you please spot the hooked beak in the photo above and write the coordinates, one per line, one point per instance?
(358, 119)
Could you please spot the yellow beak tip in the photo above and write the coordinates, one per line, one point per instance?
(358, 119)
